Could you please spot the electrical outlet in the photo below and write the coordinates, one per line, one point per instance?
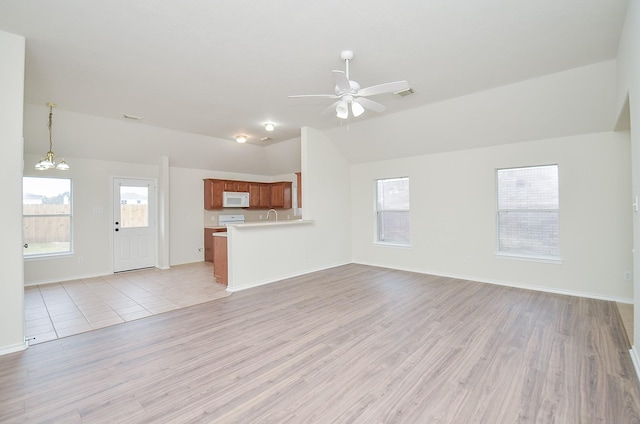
(80, 259)
(199, 249)
(627, 275)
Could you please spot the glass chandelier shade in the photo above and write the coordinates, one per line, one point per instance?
(49, 160)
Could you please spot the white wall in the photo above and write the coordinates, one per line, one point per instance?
(92, 232)
(260, 255)
(453, 207)
(12, 332)
(629, 88)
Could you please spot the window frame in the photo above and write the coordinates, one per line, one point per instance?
(550, 258)
(377, 211)
(51, 255)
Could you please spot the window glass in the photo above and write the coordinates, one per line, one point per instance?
(392, 211)
(134, 207)
(528, 211)
(46, 210)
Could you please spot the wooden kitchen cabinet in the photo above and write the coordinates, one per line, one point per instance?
(237, 186)
(261, 195)
(281, 195)
(208, 242)
(254, 195)
(265, 196)
(220, 266)
(213, 194)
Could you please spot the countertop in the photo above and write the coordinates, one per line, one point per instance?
(212, 227)
(254, 224)
(221, 234)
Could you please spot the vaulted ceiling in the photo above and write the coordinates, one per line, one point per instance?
(221, 68)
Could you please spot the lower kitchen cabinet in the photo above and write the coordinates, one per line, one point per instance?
(208, 242)
(220, 266)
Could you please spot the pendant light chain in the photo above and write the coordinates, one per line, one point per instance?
(51, 126)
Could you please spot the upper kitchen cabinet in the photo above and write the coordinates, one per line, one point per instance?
(265, 196)
(213, 194)
(261, 195)
(237, 186)
(254, 195)
(281, 195)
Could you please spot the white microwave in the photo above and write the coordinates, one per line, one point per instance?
(232, 199)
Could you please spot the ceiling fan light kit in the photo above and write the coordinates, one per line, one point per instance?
(348, 92)
(241, 138)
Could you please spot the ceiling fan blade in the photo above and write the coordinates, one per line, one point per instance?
(370, 104)
(388, 87)
(341, 81)
(330, 108)
(329, 96)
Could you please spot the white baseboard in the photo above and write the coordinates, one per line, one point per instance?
(60, 280)
(283, 277)
(636, 360)
(13, 348)
(545, 289)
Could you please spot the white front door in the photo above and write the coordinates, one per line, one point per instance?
(134, 224)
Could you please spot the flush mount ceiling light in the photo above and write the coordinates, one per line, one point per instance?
(49, 160)
(348, 92)
(269, 126)
(241, 138)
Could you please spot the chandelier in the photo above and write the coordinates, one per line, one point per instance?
(49, 160)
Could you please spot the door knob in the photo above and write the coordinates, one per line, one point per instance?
(26, 245)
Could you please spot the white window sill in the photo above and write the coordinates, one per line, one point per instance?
(530, 258)
(383, 244)
(48, 256)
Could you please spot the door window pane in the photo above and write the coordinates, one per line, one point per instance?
(134, 207)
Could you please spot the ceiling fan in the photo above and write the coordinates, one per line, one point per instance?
(348, 92)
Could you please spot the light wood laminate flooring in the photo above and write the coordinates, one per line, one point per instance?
(626, 313)
(354, 344)
(71, 307)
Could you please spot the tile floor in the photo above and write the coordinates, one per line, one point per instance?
(71, 307)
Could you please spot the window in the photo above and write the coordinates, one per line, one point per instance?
(392, 211)
(46, 216)
(528, 212)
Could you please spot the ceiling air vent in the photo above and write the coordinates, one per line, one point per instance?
(265, 139)
(404, 93)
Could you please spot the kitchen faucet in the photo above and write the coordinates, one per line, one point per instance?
(274, 211)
